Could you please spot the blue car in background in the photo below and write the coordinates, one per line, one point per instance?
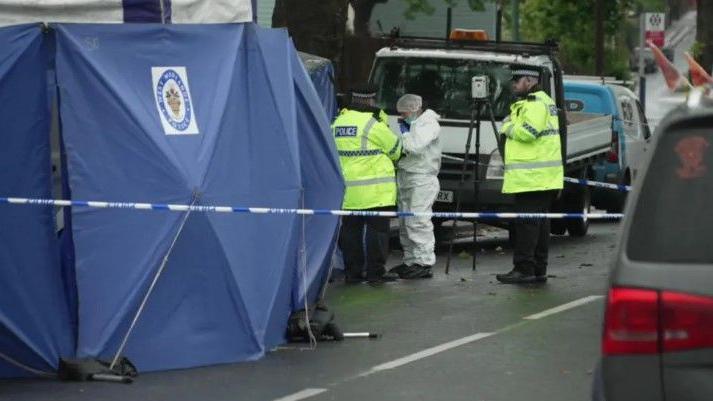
(630, 134)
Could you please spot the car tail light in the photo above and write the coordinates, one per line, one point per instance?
(635, 318)
(613, 155)
(631, 322)
(687, 321)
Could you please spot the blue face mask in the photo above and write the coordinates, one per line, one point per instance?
(409, 119)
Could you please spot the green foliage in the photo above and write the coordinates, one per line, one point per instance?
(697, 50)
(572, 23)
(567, 19)
(616, 63)
(650, 5)
(415, 7)
(418, 7)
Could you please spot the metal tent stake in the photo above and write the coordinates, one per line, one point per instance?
(140, 310)
(361, 335)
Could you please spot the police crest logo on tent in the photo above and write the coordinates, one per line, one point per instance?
(173, 100)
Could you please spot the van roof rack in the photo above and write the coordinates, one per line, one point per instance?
(550, 47)
(597, 79)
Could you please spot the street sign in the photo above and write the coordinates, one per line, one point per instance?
(655, 28)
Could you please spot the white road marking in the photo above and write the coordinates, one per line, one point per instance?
(311, 392)
(428, 352)
(301, 395)
(564, 307)
(472, 338)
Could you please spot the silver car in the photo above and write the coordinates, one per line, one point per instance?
(657, 340)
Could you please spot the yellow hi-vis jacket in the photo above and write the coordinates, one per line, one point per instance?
(533, 157)
(367, 151)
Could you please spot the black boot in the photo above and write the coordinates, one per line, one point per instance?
(541, 274)
(416, 271)
(398, 269)
(353, 278)
(384, 278)
(516, 277)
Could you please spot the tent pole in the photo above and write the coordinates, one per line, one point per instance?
(303, 263)
(151, 287)
(25, 367)
(163, 11)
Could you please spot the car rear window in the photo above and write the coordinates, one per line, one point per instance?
(673, 218)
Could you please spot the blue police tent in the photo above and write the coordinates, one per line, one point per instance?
(201, 115)
(321, 71)
(34, 318)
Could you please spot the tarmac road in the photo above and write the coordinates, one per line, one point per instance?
(461, 336)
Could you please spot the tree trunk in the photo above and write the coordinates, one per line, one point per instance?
(674, 11)
(599, 37)
(362, 15)
(704, 34)
(316, 26)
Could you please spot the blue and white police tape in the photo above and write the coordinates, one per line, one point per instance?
(265, 210)
(622, 188)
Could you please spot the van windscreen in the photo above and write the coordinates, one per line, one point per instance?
(673, 221)
(444, 84)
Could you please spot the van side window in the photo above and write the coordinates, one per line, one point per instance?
(629, 117)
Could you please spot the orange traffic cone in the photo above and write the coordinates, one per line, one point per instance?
(674, 79)
(699, 76)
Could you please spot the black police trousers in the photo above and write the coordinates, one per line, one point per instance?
(351, 242)
(532, 236)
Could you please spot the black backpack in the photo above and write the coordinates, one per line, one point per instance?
(94, 369)
(321, 323)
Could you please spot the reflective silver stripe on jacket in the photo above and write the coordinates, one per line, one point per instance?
(372, 181)
(530, 129)
(532, 165)
(395, 147)
(357, 153)
(548, 132)
(365, 137)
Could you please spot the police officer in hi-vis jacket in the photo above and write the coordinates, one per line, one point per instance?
(367, 151)
(534, 173)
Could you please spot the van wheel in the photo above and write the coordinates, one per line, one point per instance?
(619, 198)
(558, 226)
(579, 200)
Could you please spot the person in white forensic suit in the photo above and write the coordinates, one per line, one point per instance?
(417, 182)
